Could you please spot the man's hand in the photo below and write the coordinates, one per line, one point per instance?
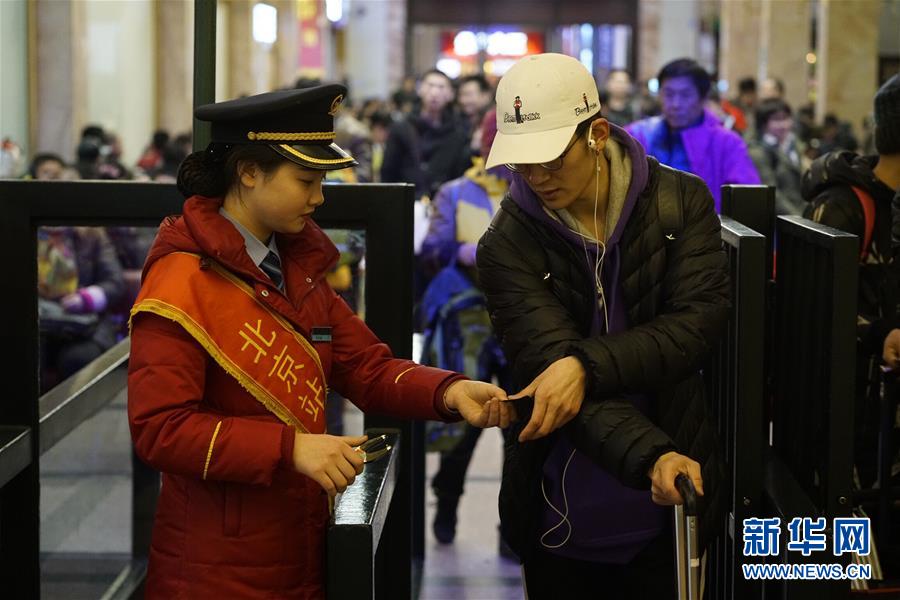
(480, 404)
(891, 353)
(558, 393)
(662, 478)
(328, 460)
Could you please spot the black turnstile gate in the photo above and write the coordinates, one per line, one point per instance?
(29, 425)
(810, 325)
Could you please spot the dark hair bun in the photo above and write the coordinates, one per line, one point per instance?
(198, 175)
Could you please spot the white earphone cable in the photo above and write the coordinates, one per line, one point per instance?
(600, 248)
(564, 516)
(598, 271)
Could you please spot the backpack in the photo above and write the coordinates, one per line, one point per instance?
(461, 337)
(458, 331)
(868, 207)
(458, 337)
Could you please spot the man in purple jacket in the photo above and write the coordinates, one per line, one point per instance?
(688, 137)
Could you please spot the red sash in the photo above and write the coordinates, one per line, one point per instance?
(255, 345)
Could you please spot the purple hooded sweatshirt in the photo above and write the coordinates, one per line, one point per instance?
(717, 156)
(607, 522)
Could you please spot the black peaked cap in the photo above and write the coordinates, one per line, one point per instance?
(298, 124)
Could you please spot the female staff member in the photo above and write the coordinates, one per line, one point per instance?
(235, 339)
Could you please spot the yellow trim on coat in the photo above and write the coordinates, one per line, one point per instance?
(211, 443)
(397, 380)
(262, 395)
(173, 313)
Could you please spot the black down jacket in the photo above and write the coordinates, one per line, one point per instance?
(677, 299)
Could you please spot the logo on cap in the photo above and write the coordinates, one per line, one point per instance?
(519, 117)
(336, 104)
(588, 107)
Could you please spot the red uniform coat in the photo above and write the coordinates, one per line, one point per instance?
(254, 527)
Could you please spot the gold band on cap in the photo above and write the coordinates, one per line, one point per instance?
(320, 161)
(269, 136)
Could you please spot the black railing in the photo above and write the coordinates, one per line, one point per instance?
(735, 380)
(356, 568)
(15, 452)
(809, 471)
(816, 359)
(809, 373)
(753, 206)
(79, 397)
(29, 425)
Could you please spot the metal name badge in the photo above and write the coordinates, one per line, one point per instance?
(320, 334)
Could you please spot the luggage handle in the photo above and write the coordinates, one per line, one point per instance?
(687, 551)
(688, 492)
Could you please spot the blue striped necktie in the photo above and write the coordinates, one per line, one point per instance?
(271, 266)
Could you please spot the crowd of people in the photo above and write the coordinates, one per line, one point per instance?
(502, 196)
(428, 131)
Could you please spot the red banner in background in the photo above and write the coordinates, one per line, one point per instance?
(311, 49)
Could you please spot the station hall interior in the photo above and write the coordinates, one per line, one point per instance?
(97, 101)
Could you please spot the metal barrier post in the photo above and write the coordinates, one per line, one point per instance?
(736, 382)
(204, 66)
(754, 207)
(391, 318)
(815, 366)
(19, 507)
(816, 322)
(361, 520)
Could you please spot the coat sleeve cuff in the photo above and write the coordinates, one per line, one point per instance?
(287, 447)
(590, 385)
(439, 406)
(645, 469)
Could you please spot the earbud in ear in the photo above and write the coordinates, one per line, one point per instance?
(592, 143)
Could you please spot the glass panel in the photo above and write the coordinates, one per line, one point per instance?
(88, 278)
(86, 506)
(348, 279)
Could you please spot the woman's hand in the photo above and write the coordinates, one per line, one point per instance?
(558, 393)
(480, 404)
(328, 460)
(891, 354)
(663, 474)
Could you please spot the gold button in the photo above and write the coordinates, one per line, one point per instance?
(265, 293)
(308, 280)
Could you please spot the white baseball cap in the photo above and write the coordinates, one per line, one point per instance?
(540, 102)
